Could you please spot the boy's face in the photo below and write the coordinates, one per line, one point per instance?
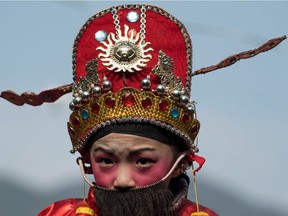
(122, 161)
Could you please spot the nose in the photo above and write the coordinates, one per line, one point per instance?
(124, 179)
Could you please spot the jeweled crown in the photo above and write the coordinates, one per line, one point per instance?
(132, 63)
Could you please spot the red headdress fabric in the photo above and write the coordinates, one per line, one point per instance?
(163, 32)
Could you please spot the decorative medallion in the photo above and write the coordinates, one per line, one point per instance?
(126, 52)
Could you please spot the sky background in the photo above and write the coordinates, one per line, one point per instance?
(242, 108)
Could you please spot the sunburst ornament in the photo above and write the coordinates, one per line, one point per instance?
(128, 52)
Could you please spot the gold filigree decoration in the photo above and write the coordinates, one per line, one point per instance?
(91, 78)
(135, 111)
(164, 69)
(126, 52)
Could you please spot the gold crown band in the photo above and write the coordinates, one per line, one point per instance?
(131, 105)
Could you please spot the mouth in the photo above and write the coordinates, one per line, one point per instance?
(159, 183)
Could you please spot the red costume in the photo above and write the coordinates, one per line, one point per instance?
(69, 207)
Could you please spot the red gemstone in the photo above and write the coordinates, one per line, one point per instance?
(194, 129)
(163, 105)
(95, 108)
(146, 103)
(75, 121)
(186, 118)
(128, 100)
(110, 102)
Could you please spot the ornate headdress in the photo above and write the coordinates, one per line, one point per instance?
(132, 63)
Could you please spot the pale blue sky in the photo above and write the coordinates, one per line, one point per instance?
(242, 108)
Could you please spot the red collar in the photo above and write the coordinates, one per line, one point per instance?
(91, 200)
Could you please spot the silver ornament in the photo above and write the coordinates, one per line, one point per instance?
(77, 101)
(184, 99)
(176, 94)
(125, 51)
(85, 96)
(190, 109)
(106, 85)
(160, 89)
(72, 106)
(96, 91)
(145, 83)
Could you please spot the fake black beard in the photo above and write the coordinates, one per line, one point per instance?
(154, 200)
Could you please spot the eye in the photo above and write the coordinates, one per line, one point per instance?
(104, 162)
(145, 162)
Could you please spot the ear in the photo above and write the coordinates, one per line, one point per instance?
(182, 166)
(178, 171)
(87, 164)
(88, 169)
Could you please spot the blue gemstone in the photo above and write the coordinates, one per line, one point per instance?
(174, 112)
(132, 16)
(100, 35)
(84, 114)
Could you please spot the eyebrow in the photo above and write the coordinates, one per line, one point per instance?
(139, 151)
(106, 151)
(131, 153)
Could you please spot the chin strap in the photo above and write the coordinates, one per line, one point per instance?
(82, 169)
(84, 210)
(174, 166)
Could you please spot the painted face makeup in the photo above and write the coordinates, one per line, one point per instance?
(129, 161)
